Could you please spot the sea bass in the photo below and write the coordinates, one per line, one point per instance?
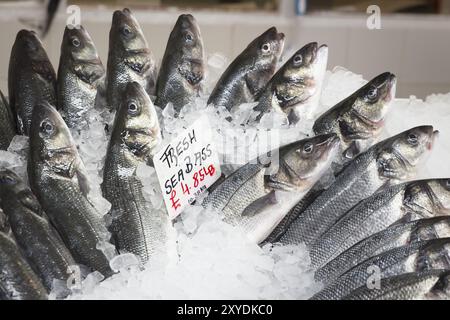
(183, 66)
(415, 257)
(129, 58)
(417, 199)
(31, 78)
(17, 281)
(80, 74)
(39, 241)
(408, 286)
(247, 191)
(397, 235)
(7, 123)
(296, 85)
(249, 73)
(359, 118)
(136, 133)
(57, 178)
(388, 162)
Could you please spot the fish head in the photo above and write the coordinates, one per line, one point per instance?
(267, 48)
(126, 33)
(301, 76)
(402, 154)
(136, 124)
(50, 138)
(78, 44)
(433, 255)
(372, 101)
(428, 198)
(304, 161)
(304, 61)
(28, 43)
(186, 37)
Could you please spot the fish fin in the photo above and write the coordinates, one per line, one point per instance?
(352, 151)
(259, 204)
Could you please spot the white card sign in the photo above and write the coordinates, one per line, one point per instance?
(187, 166)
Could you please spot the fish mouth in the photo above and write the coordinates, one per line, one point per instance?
(391, 86)
(329, 145)
(434, 136)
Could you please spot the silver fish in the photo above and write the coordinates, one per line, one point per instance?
(417, 199)
(183, 66)
(296, 85)
(388, 162)
(249, 73)
(415, 257)
(408, 286)
(397, 235)
(359, 118)
(38, 240)
(80, 74)
(18, 281)
(129, 58)
(31, 78)
(57, 178)
(7, 123)
(247, 191)
(136, 133)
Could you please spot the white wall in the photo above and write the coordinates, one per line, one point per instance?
(415, 48)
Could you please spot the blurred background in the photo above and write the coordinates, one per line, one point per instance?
(413, 40)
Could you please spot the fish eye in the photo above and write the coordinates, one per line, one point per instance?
(6, 180)
(76, 42)
(413, 139)
(265, 48)
(372, 94)
(132, 108)
(126, 30)
(308, 147)
(188, 37)
(47, 127)
(298, 59)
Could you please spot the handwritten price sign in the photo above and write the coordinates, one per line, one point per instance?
(187, 166)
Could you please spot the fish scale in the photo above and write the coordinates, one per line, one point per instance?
(368, 217)
(393, 262)
(397, 235)
(41, 244)
(136, 228)
(81, 226)
(409, 286)
(17, 280)
(348, 189)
